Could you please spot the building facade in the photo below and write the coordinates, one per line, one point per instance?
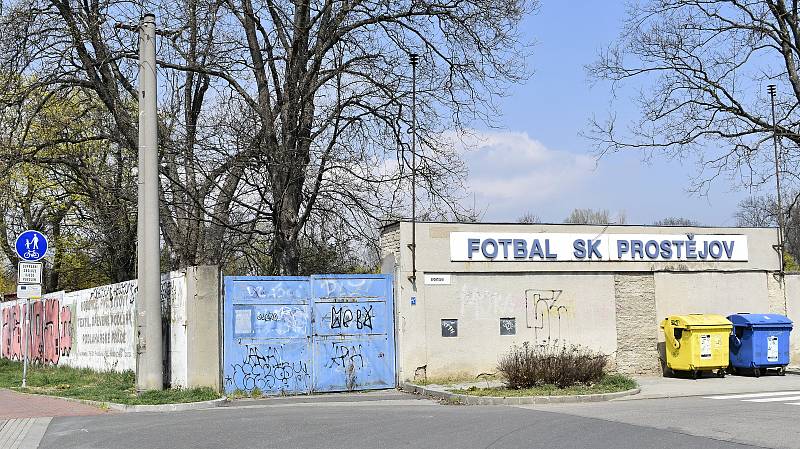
(479, 289)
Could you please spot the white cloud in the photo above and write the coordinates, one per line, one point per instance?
(511, 173)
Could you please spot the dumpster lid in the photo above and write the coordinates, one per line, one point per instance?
(699, 319)
(760, 319)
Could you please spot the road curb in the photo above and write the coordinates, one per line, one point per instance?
(522, 400)
(127, 408)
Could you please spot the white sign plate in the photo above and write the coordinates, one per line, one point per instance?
(772, 348)
(28, 291)
(29, 273)
(437, 279)
(568, 247)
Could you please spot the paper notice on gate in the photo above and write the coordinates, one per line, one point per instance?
(244, 321)
(705, 346)
(772, 348)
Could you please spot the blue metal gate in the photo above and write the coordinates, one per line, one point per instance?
(308, 334)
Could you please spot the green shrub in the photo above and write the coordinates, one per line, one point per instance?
(530, 366)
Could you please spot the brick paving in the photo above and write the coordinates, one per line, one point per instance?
(23, 433)
(17, 405)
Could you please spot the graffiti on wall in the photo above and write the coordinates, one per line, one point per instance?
(268, 369)
(274, 290)
(344, 316)
(12, 333)
(344, 288)
(287, 320)
(50, 330)
(347, 358)
(92, 328)
(477, 302)
(544, 314)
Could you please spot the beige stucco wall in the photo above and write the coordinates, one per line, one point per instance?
(793, 311)
(203, 327)
(720, 293)
(611, 306)
(576, 308)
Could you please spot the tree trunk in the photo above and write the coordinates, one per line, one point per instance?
(286, 254)
(286, 246)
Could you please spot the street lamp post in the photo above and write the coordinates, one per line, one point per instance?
(413, 59)
(771, 90)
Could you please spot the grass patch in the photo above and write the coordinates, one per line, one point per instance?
(76, 383)
(449, 380)
(610, 383)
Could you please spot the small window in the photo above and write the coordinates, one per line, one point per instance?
(449, 328)
(508, 326)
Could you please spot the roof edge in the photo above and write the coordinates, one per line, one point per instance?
(629, 225)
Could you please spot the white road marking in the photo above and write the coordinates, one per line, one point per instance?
(755, 395)
(777, 399)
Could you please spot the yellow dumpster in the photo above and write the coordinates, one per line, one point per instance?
(697, 343)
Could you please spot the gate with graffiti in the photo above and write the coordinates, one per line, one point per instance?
(308, 334)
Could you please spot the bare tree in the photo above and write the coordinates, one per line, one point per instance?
(592, 216)
(705, 67)
(757, 212)
(330, 103)
(283, 120)
(762, 211)
(676, 221)
(529, 218)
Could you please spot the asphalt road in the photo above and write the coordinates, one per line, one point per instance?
(393, 420)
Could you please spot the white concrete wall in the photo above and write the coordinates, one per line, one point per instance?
(104, 333)
(95, 328)
(173, 314)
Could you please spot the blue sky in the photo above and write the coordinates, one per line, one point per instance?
(555, 169)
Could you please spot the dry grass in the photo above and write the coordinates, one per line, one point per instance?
(529, 366)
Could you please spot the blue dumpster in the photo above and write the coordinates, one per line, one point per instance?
(759, 342)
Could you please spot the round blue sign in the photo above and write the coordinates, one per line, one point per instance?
(31, 246)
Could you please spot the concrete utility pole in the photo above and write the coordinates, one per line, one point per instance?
(149, 365)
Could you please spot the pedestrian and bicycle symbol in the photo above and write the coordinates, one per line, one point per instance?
(31, 246)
